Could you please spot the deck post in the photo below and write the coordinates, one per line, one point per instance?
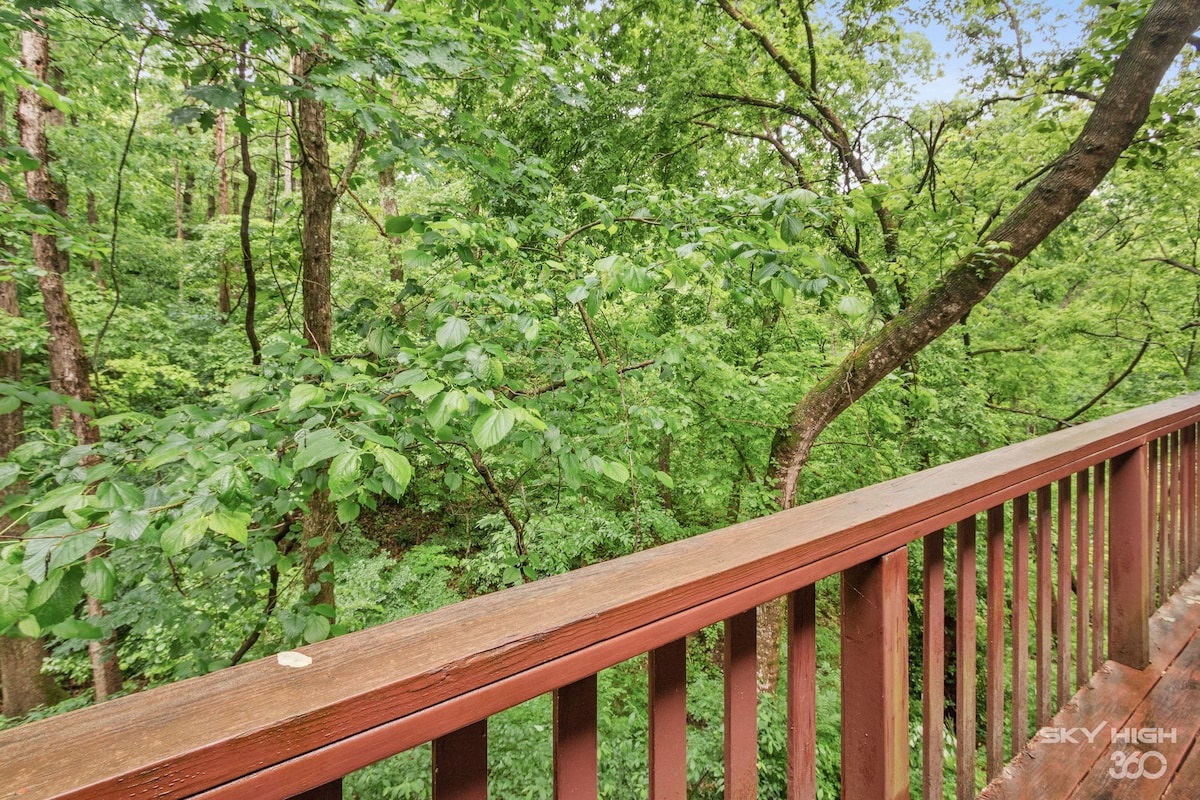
(1129, 539)
(875, 678)
(460, 764)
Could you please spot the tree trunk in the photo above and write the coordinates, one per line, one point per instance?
(318, 199)
(1118, 115)
(387, 200)
(244, 226)
(69, 368)
(221, 207)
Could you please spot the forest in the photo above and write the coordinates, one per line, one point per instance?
(320, 315)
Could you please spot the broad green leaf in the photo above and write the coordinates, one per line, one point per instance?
(28, 626)
(8, 474)
(40, 542)
(395, 465)
(348, 511)
(316, 629)
(445, 406)
(492, 426)
(9, 404)
(319, 445)
(344, 474)
(303, 395)
(665, 479)
(99, 580)
(453, 332)
(127, 526)
(73, 548)
(790, 228)
(425, 389)
(234, 524)
(76, 629)
(853, 306)
(248, 387)
(616, 471)
(183, 533)
(119, 494)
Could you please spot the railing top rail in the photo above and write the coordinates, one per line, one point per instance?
(188, 737)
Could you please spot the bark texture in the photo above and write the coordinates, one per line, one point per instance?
(1118, 115)
(69, 367)
(318, 198)
(221, 152)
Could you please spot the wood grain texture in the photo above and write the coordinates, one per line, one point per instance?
(373, 693)
(741, 707)
(668, 721)
(575, 764)
(933, 677)
(1129, 561)
(802, 694)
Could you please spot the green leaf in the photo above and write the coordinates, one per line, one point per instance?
(8, 474)
(398, 226)
(348, 511)
(790, 228)
(853, 306)
(248, 387)
(304, 394)
(234, 524)
(76, 629)
(445, 406)
(9, 404)
(344, 474)
(665, 479)
(127, 526)
(425, 389)
(453, 332)
(40, 541)
(99, 579)
(492, 426)
(119, 494)
(28, 626)
(73, 548)
(319, 445)
(395, 465)
(316, 629)
(183, 533)
(616, 471)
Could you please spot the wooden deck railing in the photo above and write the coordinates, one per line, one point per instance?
(1111, 531)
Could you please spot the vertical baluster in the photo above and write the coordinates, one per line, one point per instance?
(801, 694)
(1045, 607)
(668, 721)
(1173, 515)
(1154, 522)
(1020, 623)
(994, 690)
(964, 689)
(1187, 499)
(1063, 616)
(575, 741)
(330, 791)
(741, 708)
(1083, 573)
(874, 678)
(1098, 563)
(1128, 561)
(460, 764)
(933, 678)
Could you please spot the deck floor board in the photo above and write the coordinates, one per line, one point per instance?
(1163, 698)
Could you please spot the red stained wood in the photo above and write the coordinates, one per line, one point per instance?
(1129, 561)
(874, 679)
(994, 690)
(1048, 769)
(1043, 645)
(964, 684)
(1187, 496)
(1099, 515)
(741, 707)
(1155, 522)
(1083, 574)
(668, 721)
(801, 694)
(1020, 623)
(933, 678)
(1168, 716)
(1062, 612)
(1173, 480)
(276, 731)
(330, 791)
(460, 764)
(575, 741)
